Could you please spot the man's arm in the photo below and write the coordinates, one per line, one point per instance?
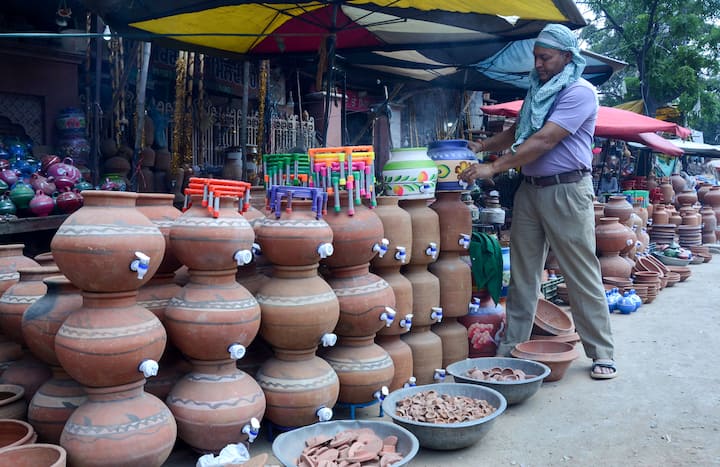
(535, 146)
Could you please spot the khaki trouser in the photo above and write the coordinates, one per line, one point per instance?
(560, 217)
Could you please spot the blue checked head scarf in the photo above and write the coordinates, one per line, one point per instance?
(540, 97)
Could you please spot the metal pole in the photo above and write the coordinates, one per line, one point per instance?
(140, 110)
(243, 117)
(97, 108)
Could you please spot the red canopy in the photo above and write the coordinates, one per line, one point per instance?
(617, 124)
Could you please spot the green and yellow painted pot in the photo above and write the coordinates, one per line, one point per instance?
(410, 174)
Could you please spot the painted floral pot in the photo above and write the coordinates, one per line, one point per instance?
(410, 173)
(452, 157)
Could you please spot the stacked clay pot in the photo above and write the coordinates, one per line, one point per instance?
(211, 321)
(453, 274)
(299, 311)
(397, 228)
(57, 398)
(367, 305)
(155, 295)
(28, 372)
(108, 250)
(426, 345)
(11, 258)
(611, 238)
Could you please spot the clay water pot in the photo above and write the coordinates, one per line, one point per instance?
(362, 367)
(211, 313)
(41, 204)
(397, 228)
(66, 168)
(557, 355)
(293, 238)
(410, 173)
(426, 349)
(452, 157)
(132, 334)
(296, 385)
(16, 433)
(401, 355)
(44, 184)
(12, 258)
(203, 242)
(96, 245)
(158, 207)
(611, 236)
(455, 219)
(119, 425)
(12, 402)
(297, 298)
(660, 215)
(213, 402)
(363, 298)
(618, 206)
(687, 196)
(53, 403)
(425, 231)
(678, 183)
(45, 259)
(454, 338)
(35, 455)
(354, 237)
(668, 192)
(69, 201)
(455, 278)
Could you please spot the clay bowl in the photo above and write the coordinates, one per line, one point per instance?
(551, 320)
(448, 436)
(288, 446)
(16, 433)
(571, 338)
(34, 455)
(557, 355)
(514, 391)
(12, 402)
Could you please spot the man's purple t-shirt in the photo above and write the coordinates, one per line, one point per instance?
(575, 110)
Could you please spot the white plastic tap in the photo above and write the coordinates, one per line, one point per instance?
(328, 339)
(324, 413)
(406, 322)
(411, 382)
(381, 393)
(437, 313)
(382, 247)
(237, 351)
(432, 250)
(464, 241)
(325, 250)
(252, 429)
(149, 367)
(426, 188)
(243, 257)
(140, 264)
(388, 316)
(256, 249)
(473, 307)
(439, 374)
(401, 254)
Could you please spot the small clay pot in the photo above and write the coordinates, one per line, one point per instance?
(37, 455)
(16, 433)
(12, 403)
(557, 355)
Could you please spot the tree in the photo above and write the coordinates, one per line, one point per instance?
(672, 48)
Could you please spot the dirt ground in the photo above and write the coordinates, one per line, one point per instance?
(663, 408)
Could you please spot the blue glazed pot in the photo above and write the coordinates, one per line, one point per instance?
(452, 157)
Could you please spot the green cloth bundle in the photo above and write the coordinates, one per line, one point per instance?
(487, 263)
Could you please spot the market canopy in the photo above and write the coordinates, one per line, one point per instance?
(615, 123)
(271, 28)
(502, 69)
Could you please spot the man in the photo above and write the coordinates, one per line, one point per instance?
(553, 207)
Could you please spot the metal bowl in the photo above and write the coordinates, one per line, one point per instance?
(288, 446)
(514, 391)
(447, 436)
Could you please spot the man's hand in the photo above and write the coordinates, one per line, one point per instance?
(476, 171)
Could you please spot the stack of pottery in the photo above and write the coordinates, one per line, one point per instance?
(611, 238)
(11, 258)
(397, 226)
(367, 305)
(426, 345)
(712, 199)
(709, 225)
(71, 126)
(57, 398)
(454, 274)
(156, 294)
(28, 372)
(213, 319)
(299, 310)
(110, 345)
